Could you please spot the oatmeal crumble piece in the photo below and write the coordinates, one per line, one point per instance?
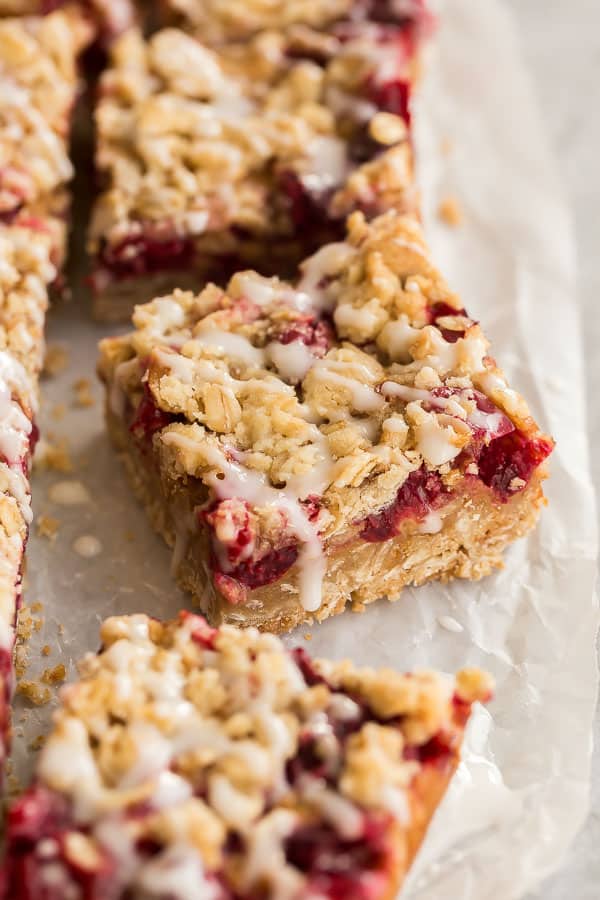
(37, 694)
(248, 769)
(218, 20)
(47, 526)
(311, 444)
(56, 360)
(451, 212)
(245, 154)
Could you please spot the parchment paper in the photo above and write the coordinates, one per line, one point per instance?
(522, 790)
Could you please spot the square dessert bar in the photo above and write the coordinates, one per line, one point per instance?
(306, 445)
(215, 764)
(225, 20)
(25, 272)
(250, 154)
(38, 89)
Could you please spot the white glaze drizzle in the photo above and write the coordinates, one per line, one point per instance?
(251, 486)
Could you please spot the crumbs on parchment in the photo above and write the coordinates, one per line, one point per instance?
(450, 211)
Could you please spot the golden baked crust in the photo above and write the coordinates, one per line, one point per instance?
(255, 768)
(303, 446)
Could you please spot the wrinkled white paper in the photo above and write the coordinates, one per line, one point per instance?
(521, 792)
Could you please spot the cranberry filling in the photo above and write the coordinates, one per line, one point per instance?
(141, 254)
(342, 869)
(421, 492)
(148, 418)
(390, 12)
(307, 667)
(255, 573)
(440, 311)
(318, 334)
(511, 456)
(307, 208)
(41, 814)
(436, 752)
(201, 631)
(391, 96)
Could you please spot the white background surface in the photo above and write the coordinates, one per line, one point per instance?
(554, 45)
(561, 45)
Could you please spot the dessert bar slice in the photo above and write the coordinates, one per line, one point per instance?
(306, 445)
(205, 764)
(38, 89)
(248, 154)
(224, 20)
(25, 272)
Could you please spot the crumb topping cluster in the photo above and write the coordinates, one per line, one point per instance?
(336, 388)
(37, 90)
(216, 747)
(218, 20)
(193, 140)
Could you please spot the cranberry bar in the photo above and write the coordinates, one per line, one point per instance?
(306, 445)
(25, 272)
(38, 88)
(205, 764)
(251, 154)
(224, 20)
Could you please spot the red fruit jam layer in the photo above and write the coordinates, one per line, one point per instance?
(241, 563)
(512, 456)
(148, 418)
(344, 869)
(143, 254)
(317, 334)
(440, 311)
(421, 492)
(27, 875)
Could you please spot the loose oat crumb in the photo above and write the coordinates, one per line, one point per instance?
(61, 628)
(87, 545)
(56, 360)
(83, 392)
(58, 411)
(46, 650)
(37, 606)
(21, 660)
(69, 493)
(35, 692)
(450, 211)
(25, 623)
(54, 457)
(37, 743)
(55, 675)
(308, 637)
(47, 526)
